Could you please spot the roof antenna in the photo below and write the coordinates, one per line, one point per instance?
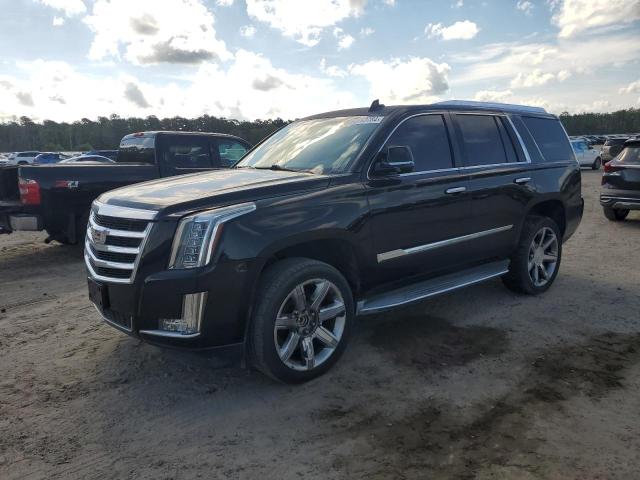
(376, 105)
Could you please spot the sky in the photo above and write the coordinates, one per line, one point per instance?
(64, 60)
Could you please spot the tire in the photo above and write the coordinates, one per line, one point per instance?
(596, 164)
(299, 333)
(615, 214)
(528, 263)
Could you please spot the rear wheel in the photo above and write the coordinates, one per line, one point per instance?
(596, 164)
(535, 263)
(615, 214)
(302, 320)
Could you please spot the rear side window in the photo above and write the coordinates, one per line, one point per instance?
(186, 152)
(428, 139)
(482, 140)
(137, 150)
(550, 138)
(630, 155)
(230, 152)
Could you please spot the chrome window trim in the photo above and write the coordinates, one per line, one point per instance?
(491, 165)
(401, 252)
(442, 113)
(123, 212)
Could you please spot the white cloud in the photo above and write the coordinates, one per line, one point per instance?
(391, 3)
(464, 30)
(525, 5)
(532, 79)
(69, 7)
(578, 56)
(248, 31)
(57, 21)
(633, 87)
(171, 31)
(224, 3)
(332, 70)
(366, 31)
(458, 4)
(344, 39)
(251, 87)
(576, 16)
(493, 95)
(303, 21)
(416, 80)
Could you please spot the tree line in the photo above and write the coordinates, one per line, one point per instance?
(106, 132)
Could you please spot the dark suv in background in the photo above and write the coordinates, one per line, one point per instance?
(340, 214)
(621, 183)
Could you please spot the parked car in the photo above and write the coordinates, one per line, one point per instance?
(88, 159)
(48, 158)
(612, 147)
(621, 183)
(57, 198)
(112, 154)
(340, 214)
(586, 155)
(23, 158)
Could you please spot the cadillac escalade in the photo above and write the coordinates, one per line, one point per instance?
(337, 215)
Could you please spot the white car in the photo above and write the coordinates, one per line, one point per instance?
(586, 155)
(23, 158)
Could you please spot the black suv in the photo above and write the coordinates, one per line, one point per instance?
(340, 214)
(621, 183)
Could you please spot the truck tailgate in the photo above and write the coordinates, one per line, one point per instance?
(9, 184)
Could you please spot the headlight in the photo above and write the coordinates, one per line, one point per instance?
(198, 234)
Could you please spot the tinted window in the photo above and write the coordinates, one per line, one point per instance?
(230, 152)
(186, 152)
(630, 156)
(481, 139)
(137, 149)
(507, 140)
(428, 140)
(550, 137)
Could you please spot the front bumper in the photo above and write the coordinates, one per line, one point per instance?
(136, 308)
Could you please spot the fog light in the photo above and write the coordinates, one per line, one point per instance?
(192, 311)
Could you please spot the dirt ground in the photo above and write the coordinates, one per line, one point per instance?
(480, 383)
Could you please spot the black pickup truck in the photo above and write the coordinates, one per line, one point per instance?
(340, 214)
(57, 198)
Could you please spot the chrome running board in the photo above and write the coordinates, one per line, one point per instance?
(430, 288)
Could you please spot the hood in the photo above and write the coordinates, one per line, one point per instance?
(211, 189)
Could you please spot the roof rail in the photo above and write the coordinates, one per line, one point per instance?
(498, 106)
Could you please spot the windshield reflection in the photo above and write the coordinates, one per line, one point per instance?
(325, 145)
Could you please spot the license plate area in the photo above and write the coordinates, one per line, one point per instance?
(98, 294)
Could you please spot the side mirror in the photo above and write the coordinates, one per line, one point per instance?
(394, 161)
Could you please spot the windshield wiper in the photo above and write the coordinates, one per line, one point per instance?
(280, 168)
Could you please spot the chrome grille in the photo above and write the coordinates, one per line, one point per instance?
(115, 240)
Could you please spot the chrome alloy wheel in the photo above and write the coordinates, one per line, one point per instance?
(309, 324)
(543, 256)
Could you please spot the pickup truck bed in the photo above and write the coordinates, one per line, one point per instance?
(57, 197)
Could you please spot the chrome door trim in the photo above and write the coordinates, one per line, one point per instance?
(401, 252)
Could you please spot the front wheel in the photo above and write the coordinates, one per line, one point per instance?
(301, 320)
(615, 214)
(535, 263)
(596, 164)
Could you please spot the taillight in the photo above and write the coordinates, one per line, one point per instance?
(609, 167)
(29, 191)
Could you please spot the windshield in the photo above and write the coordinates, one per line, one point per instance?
(324, 145)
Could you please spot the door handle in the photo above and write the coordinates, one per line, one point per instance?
(522, 180)
(451, 191)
